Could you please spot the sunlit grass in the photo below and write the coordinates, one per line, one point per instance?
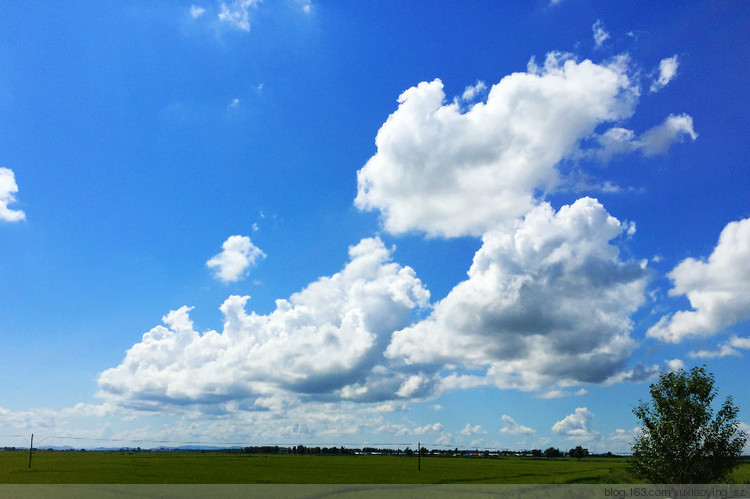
(157, 467)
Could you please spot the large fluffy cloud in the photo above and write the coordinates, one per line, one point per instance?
(449, 171)
(8, 188)
(718, 289)
(322, 341)
(546, 303)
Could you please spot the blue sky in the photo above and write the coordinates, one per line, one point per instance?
(478, 224)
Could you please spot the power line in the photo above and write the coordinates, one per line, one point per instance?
(25, 438)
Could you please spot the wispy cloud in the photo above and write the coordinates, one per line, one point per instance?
(306, 5)
(654, 141)
(557, 393)
(196, 11)
(600, 34)
(237, 14)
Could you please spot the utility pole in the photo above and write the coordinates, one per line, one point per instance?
(419, 456)
(31, 446)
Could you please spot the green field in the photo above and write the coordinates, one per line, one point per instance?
(156, 467)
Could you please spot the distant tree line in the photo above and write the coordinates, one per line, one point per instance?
(551, 452)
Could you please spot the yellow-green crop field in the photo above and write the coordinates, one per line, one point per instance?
(188, 468)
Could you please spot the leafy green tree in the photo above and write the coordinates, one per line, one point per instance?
(578, 453)
(681, 441)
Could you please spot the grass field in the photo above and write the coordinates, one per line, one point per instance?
(112, 467)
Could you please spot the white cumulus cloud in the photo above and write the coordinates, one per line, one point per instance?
(718, 289)
(731, 347)
(736, 342)
(546, 303)
(237, 256)
(675, 364)
(577, 426)
(8, 188)
(657, 140)
(326, 340)
(469, 430)
(415, 385)
(430, 428)
(447, 172)
(512, 428)
(472, 91)
(724, 350)
(667, 71)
